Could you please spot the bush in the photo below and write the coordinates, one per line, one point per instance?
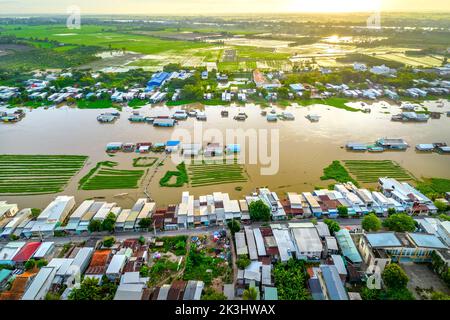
(394, 277)
(108, 242)
(342, 211)
(30, 264)
(332, 225)
(234, 226)
(243, 262)
(95, 226)
(371, 222)
(145, 223)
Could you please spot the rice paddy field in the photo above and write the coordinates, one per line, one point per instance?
(37, 174)
(368, 171)
(104, 176)
(211, 174)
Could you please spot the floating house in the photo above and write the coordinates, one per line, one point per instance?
(162, 122)
(172, 145)
(392, 144)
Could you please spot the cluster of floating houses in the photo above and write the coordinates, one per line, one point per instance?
(211, 149)
(15, 116)
(380, 145)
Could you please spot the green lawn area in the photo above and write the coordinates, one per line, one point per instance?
(211, 174)
(198, 262)
(368, 171)
(103, 176)
(95, 104)
(434, 186)
(137, 103)
(37, 174)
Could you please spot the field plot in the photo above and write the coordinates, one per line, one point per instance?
(368, 171)
(211, 174)
(103, 176)
(37, 174)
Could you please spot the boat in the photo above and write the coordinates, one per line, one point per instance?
(224, 113)
(287, 116)
(180, 115)
(263, 113)
(313, 117)
(201, 116)
(192, 113)
(375, 149)
(272, 117)
(241, 116)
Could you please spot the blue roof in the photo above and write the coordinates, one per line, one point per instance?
(347, 246)
(333, 282)
(172, 143)
(315, 289)
(383, 239)
(427, 241)
(4, 274)
(158, 78)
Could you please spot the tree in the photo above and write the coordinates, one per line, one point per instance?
(234, 226)
(108, 242)
(41, 263)
(145, 223)
(400, 222)
(441, 206)
(437, 295)
(332, 225)
(95, 226)
(394, 277)
(141, 240)
(444, 217)
(250, 294)
(30, 264)
(91, 290)
(391, 211)
(243, 262)
(35, 212)
(371, 222)
(144, 271)
(259, 211)
(342, 211)
(109, 223)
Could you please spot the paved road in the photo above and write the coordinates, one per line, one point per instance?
(197, 231)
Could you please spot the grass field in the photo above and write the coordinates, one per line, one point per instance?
(102, 36)
(368, 171)
(434, 186)
(103, 176)
(37, 174)
(211, 174)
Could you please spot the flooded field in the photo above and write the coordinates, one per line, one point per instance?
(305, 147)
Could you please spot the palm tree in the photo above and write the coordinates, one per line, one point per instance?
(250, 294)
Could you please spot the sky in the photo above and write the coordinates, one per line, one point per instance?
(180, 7)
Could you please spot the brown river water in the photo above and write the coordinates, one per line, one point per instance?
(305, 148)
